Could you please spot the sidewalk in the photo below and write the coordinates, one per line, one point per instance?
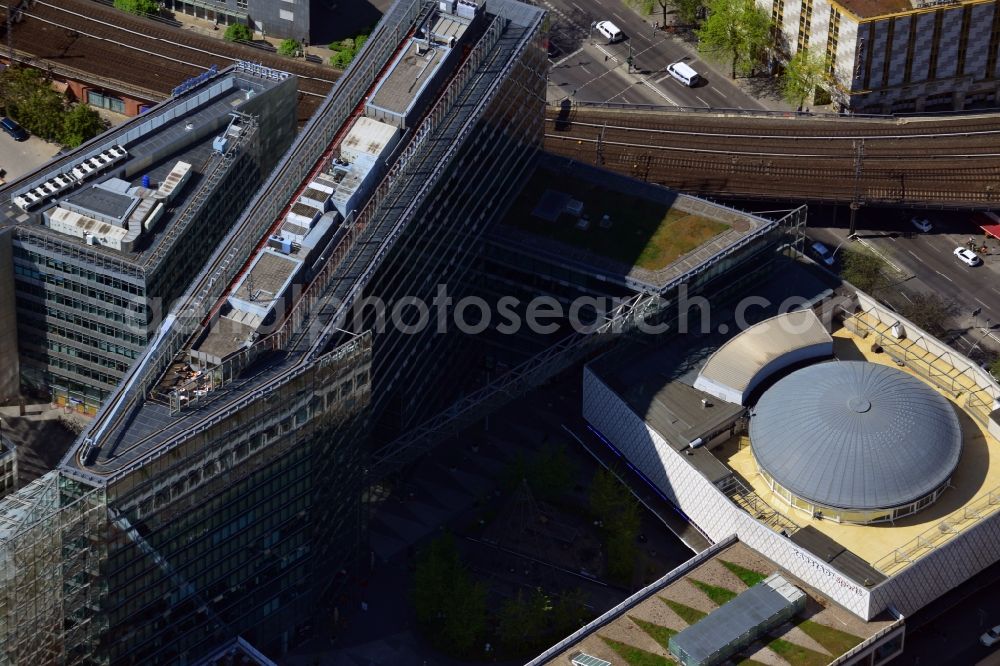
(210, 29)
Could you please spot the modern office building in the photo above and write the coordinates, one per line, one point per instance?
(226, 476)
(862, 462)
(890, 56)
(100, 241)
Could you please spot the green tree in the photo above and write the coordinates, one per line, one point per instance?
(803, 74)
(738, 30)
(140, 7)
(80, 123)
(618, 512)
(569, 612)
(289, 47)
(688, 10)
(465, 617)
(237, 32)
(525, 620)
(359, 41)
(864, 270)
(928, 311)
(448, 603)
(28, 99)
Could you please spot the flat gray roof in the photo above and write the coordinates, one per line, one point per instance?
(102, 201)
(400, 88)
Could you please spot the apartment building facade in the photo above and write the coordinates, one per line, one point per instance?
(897, 56)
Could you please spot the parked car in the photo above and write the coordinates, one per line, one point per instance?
(991, 637)
(922, 224)
(13, 129)
(822, 253)
(967, 256)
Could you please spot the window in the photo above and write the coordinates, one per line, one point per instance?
(831, 41)
(105, 101)
(286, 15)
(241, 4)
(805, 22)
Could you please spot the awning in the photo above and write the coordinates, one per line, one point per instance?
(991, 230)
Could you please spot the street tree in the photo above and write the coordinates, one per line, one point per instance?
(237, 32)
(688, 10)
(803, 74)
(28, 99)
(737, 30)
(569, 612)
(465, 618)
(289, 47)
(864, 270)
(928, 311)
(140, 7)
(80, 123)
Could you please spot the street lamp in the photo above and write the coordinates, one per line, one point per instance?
(851, 236)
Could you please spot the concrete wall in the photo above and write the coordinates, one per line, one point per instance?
(9, 370)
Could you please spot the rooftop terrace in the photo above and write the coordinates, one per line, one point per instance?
(621, 227)
(640, 633)
(180, 130)
(974, 492)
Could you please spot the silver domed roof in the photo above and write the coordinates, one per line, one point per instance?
(855, 435)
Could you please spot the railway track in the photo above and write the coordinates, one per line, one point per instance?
(951, 162)
(142, 53)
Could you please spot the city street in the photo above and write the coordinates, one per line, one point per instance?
(929, 258)
(587, 68)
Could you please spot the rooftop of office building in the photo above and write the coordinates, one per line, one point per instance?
(137, 425)
(128, 193)
(696, 590)
(870, 9)
(633, 233)
(667, 387)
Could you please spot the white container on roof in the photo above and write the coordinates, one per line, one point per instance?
(174, 181)
(369, 140)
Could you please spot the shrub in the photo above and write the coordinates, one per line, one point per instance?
(140, 7)
(237, 32)
(289, 47)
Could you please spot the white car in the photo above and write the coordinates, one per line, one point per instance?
(967, 256)
(922, 224)
(990, 637)
(610, 31)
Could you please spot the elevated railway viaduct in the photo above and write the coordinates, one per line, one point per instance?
(950, 162)
(93, 43)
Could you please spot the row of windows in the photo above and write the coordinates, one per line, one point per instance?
(80, 338)
(83, 322)
(82, 289)
(39, 292)
(84, 355)
(56, 379)
(68, 268)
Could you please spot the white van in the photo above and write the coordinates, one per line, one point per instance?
(609, 30)
(683, 73)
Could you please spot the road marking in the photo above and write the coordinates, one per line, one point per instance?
(944, 276)
(912, 254)
(565, 58)
(702, 101)
(615, 14)
(665, 76)
(579, 8)
(584, 69)
(980, 302)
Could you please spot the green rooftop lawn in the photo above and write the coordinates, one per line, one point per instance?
(796, 655)
(644, 233)
(718, 595)
(748, 576)
(633, 656)
(686, 613)
(658, 633)
(837, 642)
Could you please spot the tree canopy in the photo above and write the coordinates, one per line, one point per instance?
(237, 32)
(737, 30)
(81, 123)
(138, 6)
(803, 74)
(289, 47)
(28, 98)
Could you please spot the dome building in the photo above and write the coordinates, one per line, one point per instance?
(855, 442)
